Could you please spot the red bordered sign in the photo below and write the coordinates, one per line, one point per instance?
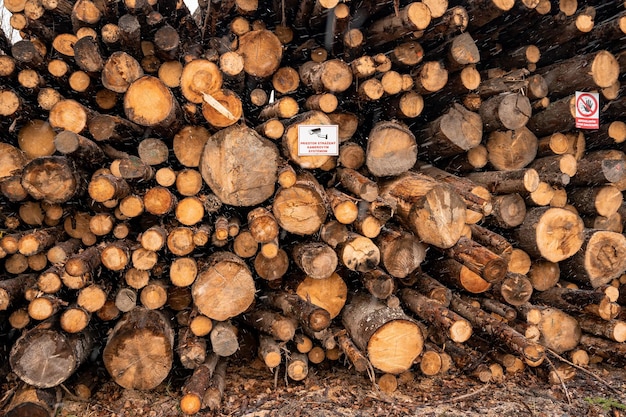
(587, 110)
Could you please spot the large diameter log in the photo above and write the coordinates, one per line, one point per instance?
(149, 102)
(50, 178)
(391, 339)
(290, 139)
(455, 132)
(505, 112)
(240, 166)
(45, 356)
(433, 211)
(302, 208)
(31, 402)
(601, 258)
(260, 43)
(552, 233)
(391, 149)
(224, 288)
(140, 348)
(559, 331)
(12, 160)
(565, 77)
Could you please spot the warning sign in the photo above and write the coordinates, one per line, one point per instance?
(316, 140)
(587, 110)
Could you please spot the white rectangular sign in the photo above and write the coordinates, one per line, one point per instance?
(316, 140)
(587, 110)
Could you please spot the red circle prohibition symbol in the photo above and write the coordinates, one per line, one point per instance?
(587, 105)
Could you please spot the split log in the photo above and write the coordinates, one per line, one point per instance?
(372, 326)
(139, 351)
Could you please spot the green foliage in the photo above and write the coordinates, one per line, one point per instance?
(606, 403)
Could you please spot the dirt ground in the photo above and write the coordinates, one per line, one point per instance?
(333, 389)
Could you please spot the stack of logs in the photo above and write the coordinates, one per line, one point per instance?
(156, 209)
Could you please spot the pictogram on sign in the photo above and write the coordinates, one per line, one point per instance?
(318, 140)
(587, 110)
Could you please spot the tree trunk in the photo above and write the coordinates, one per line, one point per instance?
(391, 339)
(45, 357)
(139, 351)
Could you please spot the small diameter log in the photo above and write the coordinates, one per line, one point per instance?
(357, 184)
(358, 253)
(271, 269)
(12, 289)
(45, 357)
(457, 328)
(603, 200)
(139, 351)
(601, 258)
(533, 353)
(301, 208)
(328, 293)
(297, 366)
(307, 313)
(84, 262)
(552, 233)
(224, 288)
(515, 289)
(343, 206)
(525, 180)
(316, 259)
(611, 329)
(223, 337)
(479, 259)
(401, 252)
(270, 322)
(262, 225)
(352, 352)
(391, 340)
(391, 149)
(453, 273)
(453, 133)
(105, 187)
(432, 210)
(246, 149)
(196, 385)
(380, 284)
(191, 349)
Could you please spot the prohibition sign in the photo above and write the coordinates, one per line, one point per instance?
(586, 105)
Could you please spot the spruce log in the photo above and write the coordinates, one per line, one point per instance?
(432, 210)
(391, 340)
(224, 288)
(246, 149)
(391, 149)
(533, 353)
(552, 233)
(139, 351)
(601, 258)
(45, 357)
(457, 328)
